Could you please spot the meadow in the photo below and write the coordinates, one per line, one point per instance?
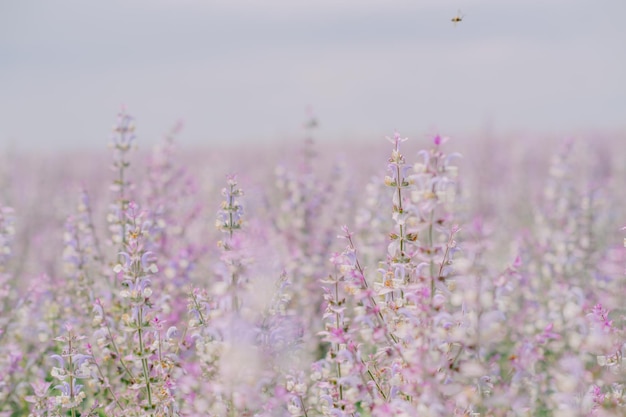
(420, 276)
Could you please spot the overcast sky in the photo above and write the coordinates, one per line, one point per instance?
(237, 71)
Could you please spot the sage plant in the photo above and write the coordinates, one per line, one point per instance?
(436, 299)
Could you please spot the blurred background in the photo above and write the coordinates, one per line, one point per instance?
(239, 72)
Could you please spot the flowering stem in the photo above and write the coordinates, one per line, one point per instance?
(231, 200)
(122, 143)
(159, 346)
(122, 202)
(445, 255)
(337, 321)
(71, 374)
(399, 184)
(117, 351)
(198, 308)
(303, 407)
(380, 390)
(365, 285)
(107, 386)
(144, 361)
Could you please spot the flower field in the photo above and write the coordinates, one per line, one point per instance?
(411, 277)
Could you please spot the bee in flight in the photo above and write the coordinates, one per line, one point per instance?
(458, 18)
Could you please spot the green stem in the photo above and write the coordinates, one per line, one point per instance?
(337, 324)
(144, 361)
(380, 390)
(107, 386)
(400, 209)
(117, 351)
(372, 299)
(71, 373)
(303, 407)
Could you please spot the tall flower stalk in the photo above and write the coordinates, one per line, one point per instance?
(137, 268)
(122, 142)
(229, 220)
(432, 200)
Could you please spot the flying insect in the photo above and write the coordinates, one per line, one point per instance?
(458, 18)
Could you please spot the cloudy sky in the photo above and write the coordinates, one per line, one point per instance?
(240, 71)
